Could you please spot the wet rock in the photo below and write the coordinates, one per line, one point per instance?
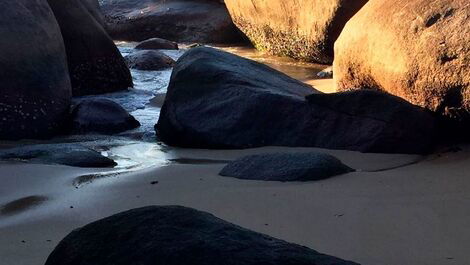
(95, 64)
(101, 116)
(412, 49)
(149, 60)
(176, 20)
(302, 29)
(326, 73)
(35, 89)
(74, 155)
(157, 44)
(219, 100)
(174, 235)
(286, 167)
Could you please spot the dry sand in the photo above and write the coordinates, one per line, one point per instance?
(396, 210)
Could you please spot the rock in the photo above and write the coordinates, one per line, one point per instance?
(326, 73)
(286, 167)
(174, 235)
(95, 64)
(177, 20)
(157, 44)
(101, 116)
(149, 60)
(74, 155)
(219, 100)
(35, 89)
(93, 6)
(303, 29)
(413, 49)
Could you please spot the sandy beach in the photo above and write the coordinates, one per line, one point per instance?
(396, 209)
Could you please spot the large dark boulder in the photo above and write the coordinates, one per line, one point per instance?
(202, 21)
(174, 235)
(286, 167)
(35, 87)
(75, 155)
(95, 64)
(101, 116)
(149, 60)
(219, 100)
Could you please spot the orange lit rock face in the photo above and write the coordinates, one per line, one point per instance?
(301, 29)
(418, 50)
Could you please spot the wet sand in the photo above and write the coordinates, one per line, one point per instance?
(397, 209)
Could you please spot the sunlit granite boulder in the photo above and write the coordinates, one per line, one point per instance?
(175, 235)
(302, 29)
(35, 87)
(95, 64)
(205, 21)
(219, 100)
(417, 50)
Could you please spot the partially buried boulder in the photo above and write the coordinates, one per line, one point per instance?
(149, 60)
(286, 167)
(157, 44)
(174, 235)
(219, 100)
(302, 29)
(101, 116)
(75, 155)
(417, 50)
(35, 89)
(205, 21)
(95, 64)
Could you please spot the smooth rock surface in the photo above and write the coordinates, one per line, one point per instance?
(35, 89)
(417, 50)
(174, 235)
(149, 60)
(101, 116)
(157, 44)
(286, 167)
(219, 100)
(74, 155)
(95, 64)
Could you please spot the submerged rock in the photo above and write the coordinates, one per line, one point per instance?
(75, 155)
(418, 50)
(35, 89)
(95, 64)
(176, 20)
(149, 60)
(157, 44)
(219, 100)
(101, 116)
(286, 167)
(174, 235)
(302, 29)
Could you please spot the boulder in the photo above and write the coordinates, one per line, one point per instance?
(286, 167)
(175, 235)
(93, 6)
(302, 29)
(149, 60)
(177, 20)
(74, 155)
(157, 44)
(101, 116)
(35, 89)
(417, 50)
(220, 100)
(95, 64)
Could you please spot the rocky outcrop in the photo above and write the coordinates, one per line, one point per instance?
(286, 167)
(35, 87)
(157, 44)
(95, 64)
(177, 20)
(101, 116)
(304, 29)
(174, 235)
(412, 49)
(149, 60)
(74, 155)
(219, 100)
